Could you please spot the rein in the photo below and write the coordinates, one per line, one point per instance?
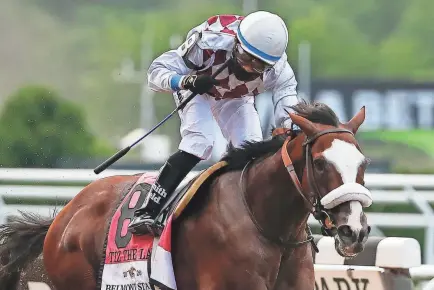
(315, 208)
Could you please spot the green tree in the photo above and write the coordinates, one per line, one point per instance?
(408, 52)
(338, 48)
(370, 39)
(38, 129)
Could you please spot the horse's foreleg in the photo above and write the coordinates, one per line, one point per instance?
(208, 255)
(297, 272)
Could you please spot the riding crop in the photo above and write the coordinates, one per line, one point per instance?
(103, 166)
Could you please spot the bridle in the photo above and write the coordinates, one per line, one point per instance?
(316, 208)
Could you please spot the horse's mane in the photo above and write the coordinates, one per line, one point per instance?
(315, 112)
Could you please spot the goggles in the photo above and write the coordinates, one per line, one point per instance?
(247, 60)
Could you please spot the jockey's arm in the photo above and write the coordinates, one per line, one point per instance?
(284, 96)
(166, 71)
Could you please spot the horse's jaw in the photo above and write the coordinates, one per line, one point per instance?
(347, 251)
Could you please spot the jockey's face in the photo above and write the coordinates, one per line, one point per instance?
(248, 62)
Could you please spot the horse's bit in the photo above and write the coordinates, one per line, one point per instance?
(319, 212)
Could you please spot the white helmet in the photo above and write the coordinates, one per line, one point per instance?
(264, 35)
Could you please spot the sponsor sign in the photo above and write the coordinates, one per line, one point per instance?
(339, 277)
(389, 105)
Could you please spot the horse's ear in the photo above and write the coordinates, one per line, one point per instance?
(356, 121)
(305, 125)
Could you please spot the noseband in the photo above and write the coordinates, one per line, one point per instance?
(316, 208)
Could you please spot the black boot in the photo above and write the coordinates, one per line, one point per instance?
(170, 176)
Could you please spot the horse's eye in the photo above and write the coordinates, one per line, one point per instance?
(320, 164)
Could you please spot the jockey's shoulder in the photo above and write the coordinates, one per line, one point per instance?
(218, 31)
(224, 19)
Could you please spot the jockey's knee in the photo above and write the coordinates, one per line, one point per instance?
(198, 144)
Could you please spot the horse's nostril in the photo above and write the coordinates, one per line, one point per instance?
(345, 231)
(364, 234)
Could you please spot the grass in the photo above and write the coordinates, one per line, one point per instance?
(420, 139)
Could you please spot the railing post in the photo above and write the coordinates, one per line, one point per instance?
(429, 285)
(424, 206)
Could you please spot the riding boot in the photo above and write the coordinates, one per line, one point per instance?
(170, 176)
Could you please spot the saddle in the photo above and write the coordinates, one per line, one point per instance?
(184, 193)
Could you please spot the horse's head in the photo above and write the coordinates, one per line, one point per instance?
(334, 175)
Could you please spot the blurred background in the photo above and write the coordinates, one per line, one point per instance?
(73, 76)
(73, 79)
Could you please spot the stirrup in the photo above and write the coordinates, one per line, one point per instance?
(142, 226)
(140, 212)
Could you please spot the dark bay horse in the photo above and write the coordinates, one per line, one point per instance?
(244, 229)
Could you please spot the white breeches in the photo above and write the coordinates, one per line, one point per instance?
(237, 118)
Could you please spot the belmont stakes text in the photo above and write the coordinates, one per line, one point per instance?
(138, 286)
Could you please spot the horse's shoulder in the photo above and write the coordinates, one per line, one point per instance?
(228, 180)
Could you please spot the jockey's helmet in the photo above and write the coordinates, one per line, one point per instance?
(263, 35)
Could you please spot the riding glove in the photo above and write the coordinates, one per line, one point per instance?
(198, 84)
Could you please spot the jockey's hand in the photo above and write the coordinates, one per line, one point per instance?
(198, 84)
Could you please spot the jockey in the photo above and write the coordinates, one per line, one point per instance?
(254, 47)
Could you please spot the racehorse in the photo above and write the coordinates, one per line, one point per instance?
(246, 228)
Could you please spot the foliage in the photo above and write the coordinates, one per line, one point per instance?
(421, 139)
(370, 39)
(38, 129)
(330, 57)
(408, 52)
(407, 151)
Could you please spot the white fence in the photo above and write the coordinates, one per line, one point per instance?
(386, 189)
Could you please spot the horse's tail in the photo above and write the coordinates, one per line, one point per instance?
(21, 242)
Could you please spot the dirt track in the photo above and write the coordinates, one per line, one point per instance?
(35, 273)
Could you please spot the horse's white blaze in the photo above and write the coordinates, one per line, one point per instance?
(354, 218)
(346, 159)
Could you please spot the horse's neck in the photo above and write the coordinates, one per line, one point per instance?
(274, 200)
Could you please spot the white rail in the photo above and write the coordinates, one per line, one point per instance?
(86, 175)
(66, 183)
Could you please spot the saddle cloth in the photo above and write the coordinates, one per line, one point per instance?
(144, 262)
